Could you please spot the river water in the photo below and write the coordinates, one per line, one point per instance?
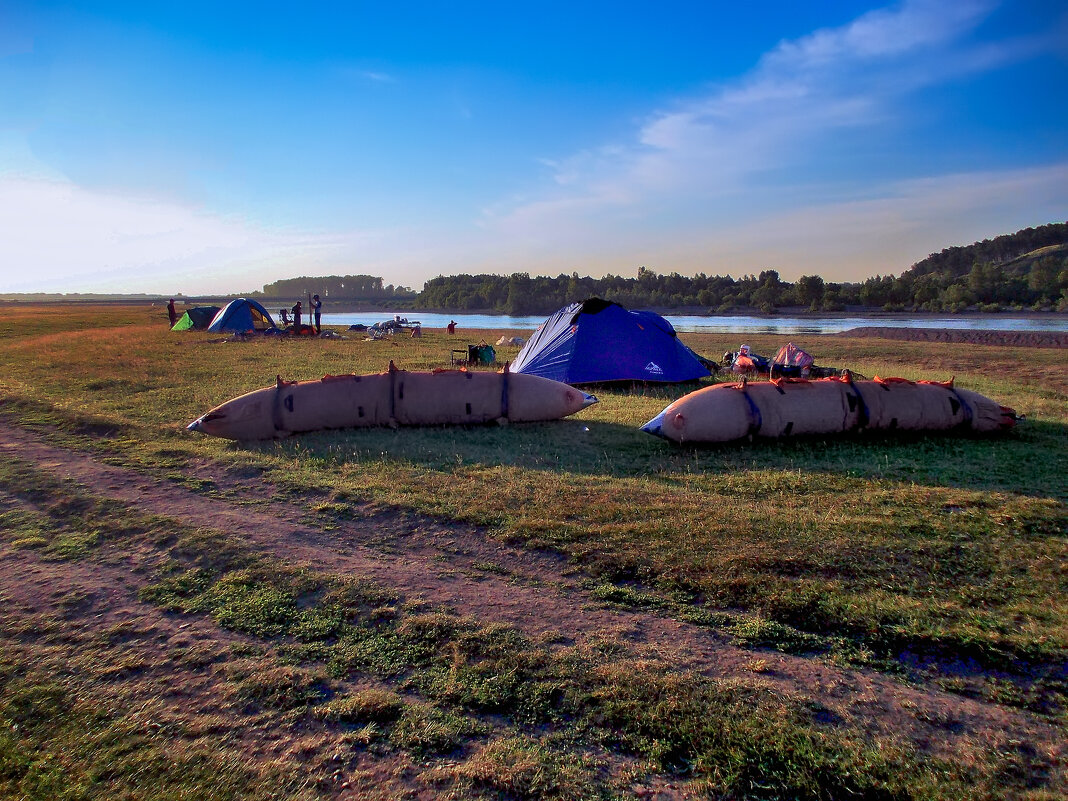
(725, 324)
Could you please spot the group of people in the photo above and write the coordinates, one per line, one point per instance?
(297, 310)
(316, 316)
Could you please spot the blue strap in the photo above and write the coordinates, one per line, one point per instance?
(755, 420)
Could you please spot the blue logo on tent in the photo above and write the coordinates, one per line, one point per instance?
(598, 340)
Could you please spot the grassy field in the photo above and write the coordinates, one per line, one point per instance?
(936, 563)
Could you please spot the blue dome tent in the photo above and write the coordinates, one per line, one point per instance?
(242, 315)
(597, 340)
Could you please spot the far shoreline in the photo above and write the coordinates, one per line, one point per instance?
(357, 307)
(689, 311)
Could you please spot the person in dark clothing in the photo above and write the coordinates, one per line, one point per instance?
(317, 311)
(171, 312)
(451, 327)
(296, 317)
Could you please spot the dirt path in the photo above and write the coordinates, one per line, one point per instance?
(443, 564)
(171, 673)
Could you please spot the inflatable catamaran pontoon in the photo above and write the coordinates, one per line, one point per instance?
(790, 407)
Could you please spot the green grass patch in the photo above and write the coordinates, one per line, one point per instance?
(56, 742)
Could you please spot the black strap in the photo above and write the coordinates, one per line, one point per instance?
(392, 390)
(755, 420)
(966, 422)
(276, 406)
(504, 391)
(864, 418)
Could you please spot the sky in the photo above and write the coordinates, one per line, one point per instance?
(212, 148)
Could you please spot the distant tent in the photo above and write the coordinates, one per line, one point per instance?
(242, 315)
(598, 340)
(792, 361)
(196, 319)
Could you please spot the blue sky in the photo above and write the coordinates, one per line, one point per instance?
(212, 148)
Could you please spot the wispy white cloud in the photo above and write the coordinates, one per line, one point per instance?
(729, 179)
(846, 241)
(360, 74)
(711, 155)
(880, 34)
(378, 77)
(56, 236)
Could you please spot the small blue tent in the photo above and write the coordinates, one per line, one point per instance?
(242, 315)
(598, 340)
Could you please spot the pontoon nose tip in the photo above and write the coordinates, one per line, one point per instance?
(655, 426)
(588, 400)
(195, 425)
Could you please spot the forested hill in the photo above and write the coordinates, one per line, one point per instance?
(1027, 270)
(958, 261)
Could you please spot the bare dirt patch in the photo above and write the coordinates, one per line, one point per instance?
(172, 674)
(444, 564)
(1011, 339)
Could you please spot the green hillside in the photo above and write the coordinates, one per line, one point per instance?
(1027, 269)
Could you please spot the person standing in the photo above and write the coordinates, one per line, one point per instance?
(317, 311)
(451, 328)
(171, 312)
(296, 317)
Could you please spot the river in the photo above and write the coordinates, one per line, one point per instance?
(724, 324)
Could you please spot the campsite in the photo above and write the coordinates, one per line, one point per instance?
(563, 609)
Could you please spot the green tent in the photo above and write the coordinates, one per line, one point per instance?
(196, 319)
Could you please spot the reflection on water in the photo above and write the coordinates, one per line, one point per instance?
(733, 323)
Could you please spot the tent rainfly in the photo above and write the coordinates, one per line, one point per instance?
(598, 340)
(196, 319)
(242, 315)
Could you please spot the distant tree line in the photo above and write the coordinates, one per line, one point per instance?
(1025, 270)
(336, 287)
